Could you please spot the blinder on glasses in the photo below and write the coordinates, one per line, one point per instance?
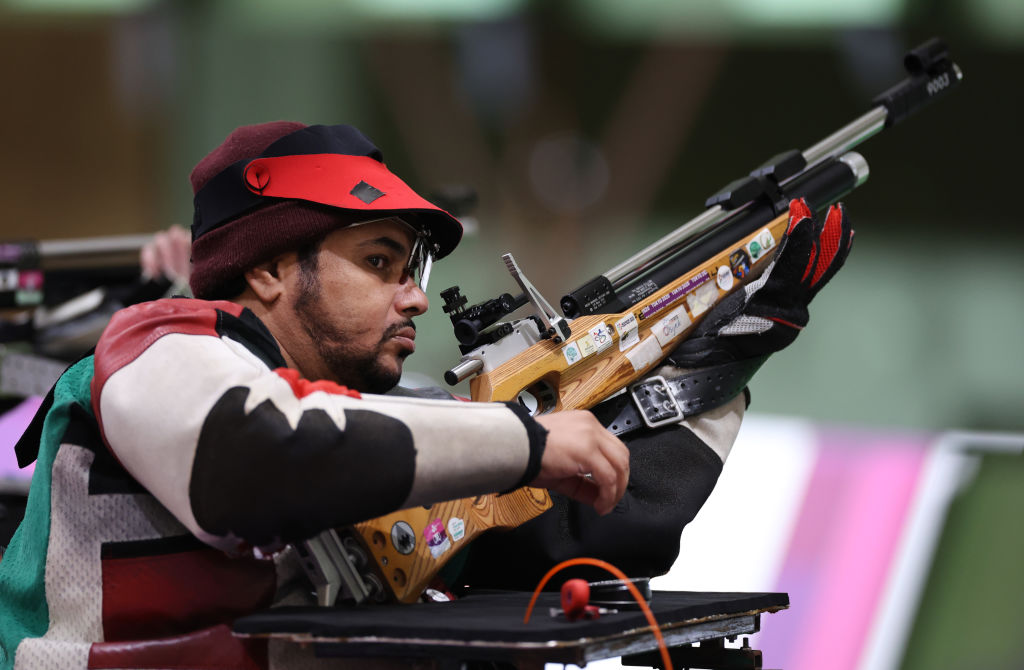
(421, 259)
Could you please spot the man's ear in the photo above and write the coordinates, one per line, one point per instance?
(268, 279)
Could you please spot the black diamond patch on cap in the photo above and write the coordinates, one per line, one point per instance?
(365, 192)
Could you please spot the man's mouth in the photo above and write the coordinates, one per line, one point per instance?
(404, 334)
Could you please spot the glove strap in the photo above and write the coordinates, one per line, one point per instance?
(658, 401)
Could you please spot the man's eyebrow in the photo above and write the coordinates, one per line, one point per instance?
(385, 241)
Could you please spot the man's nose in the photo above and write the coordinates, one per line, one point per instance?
(410, 298)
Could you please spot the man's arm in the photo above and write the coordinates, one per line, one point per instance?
(673, 470)
(243, 455)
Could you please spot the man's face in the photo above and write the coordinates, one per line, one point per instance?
(356, 305)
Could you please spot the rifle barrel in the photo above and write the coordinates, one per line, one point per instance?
(848, 136)
(650, 255)
(931, 74)
(837, 143)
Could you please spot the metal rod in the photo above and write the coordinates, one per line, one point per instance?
(693, 228)
(848, 136)
(463, 369)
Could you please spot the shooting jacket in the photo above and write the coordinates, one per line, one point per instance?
(184, 443)
(181, 445)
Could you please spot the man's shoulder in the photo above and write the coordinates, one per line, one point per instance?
(148, 321)
(134, 329)
(179, 314)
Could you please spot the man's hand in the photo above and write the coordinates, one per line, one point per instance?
(582, 460)
(770, 312)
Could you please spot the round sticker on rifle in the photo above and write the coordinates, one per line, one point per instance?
(436, 538)
(403, 537)
(456, 528)
(724, 277)
(739, 261)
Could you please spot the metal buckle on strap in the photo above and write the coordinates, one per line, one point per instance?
(656, 402)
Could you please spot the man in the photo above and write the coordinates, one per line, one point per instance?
(203, 436)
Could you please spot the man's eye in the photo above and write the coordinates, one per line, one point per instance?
(378, 262)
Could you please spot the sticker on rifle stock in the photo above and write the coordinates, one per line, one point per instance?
(702, 299)
(648, 353)
(724, 277)
(671, 326)
(762, 243)
(739, 261)
(436, 538)
(586, 345)
(456, 528)
(627, 328)
(403, 537)
(572, 353)
(675, 294)
(601, 335)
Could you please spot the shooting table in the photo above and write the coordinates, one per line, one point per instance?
(488, 626)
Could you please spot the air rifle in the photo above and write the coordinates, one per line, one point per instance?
(614, 329)
(551, 362)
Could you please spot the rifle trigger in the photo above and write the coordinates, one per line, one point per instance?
(557, 327)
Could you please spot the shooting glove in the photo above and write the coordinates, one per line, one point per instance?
(727, 347)
(768, 313)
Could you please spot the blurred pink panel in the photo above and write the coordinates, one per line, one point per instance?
(12, 424)
(843, 546)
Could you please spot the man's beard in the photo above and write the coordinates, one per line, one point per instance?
(357, 370)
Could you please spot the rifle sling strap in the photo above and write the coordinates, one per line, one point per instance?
(659, 400)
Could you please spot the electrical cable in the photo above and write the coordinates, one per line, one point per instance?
(604, 565)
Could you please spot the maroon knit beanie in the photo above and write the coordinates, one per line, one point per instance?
(270, 226)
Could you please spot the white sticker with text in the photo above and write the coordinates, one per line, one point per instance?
(456, 528)
(671, 326)
(628, 330)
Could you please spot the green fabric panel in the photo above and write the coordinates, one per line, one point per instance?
(23, 609)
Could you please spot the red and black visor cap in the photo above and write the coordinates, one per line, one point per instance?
(336, 166)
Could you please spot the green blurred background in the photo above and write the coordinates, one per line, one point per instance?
(590, 128)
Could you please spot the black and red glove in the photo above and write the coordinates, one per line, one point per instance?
(768, 313)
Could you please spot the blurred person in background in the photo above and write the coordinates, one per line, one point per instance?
(178, 463)
(168, 256)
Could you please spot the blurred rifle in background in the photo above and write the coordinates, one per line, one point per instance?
(56, 296)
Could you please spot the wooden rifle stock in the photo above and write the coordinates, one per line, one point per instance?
(655, 326)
